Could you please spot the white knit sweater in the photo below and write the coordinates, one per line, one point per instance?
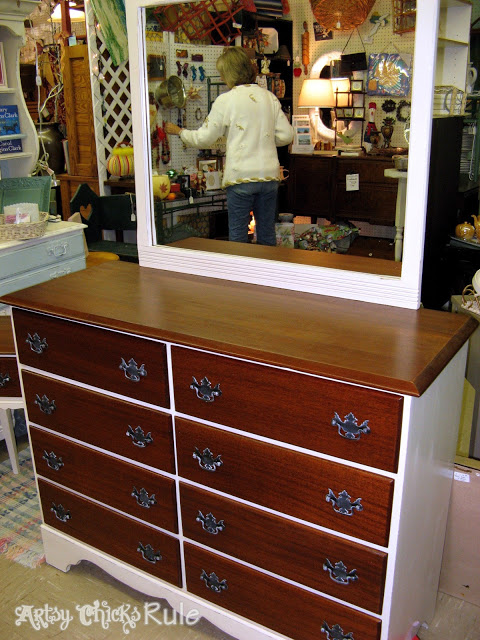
(252, 120)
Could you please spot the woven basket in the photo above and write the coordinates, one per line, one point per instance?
(23, 230)
(341, 15)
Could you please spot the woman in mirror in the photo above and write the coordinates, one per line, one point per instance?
(252, 120)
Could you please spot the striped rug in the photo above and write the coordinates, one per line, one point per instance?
(20, 538)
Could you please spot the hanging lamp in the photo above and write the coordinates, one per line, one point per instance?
(341, 15)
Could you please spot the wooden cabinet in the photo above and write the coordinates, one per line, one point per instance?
(299, 474)
(318, 188)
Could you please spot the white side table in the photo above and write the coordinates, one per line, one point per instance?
(10, 393)
(401, 176)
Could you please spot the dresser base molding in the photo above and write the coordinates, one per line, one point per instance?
(62, 552)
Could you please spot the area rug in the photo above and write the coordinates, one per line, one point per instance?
(20, 537)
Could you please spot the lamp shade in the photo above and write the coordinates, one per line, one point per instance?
(316, 93)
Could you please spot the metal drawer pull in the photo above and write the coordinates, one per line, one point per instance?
(138, 437)
(60, 512)
(209, 523)
(336, 632)
(36, 343)
(4, 378)
(213, 583)
(132, 371)
(206, 459)
(58, 250)
(149, 554)
(45, 405)
(52, 461)
(142, 498)
(204, 390)
(339, 572)
(349, 427)
(343, 503)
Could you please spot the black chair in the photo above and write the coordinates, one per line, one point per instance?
(106, 213)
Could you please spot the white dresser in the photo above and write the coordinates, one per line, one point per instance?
(24, 263)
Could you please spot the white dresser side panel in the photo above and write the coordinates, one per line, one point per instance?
(427, 452)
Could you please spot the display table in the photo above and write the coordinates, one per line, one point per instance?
(279, 461)
(10, 392)
(401, 176)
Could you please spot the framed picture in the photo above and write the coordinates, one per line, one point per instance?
(3, 71)
(356, 85)
(348, 113)
(156, 67)
(339, 113)
(184, 181)
(358, 112)
(210, 164)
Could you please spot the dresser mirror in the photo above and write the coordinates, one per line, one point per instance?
(338, 275)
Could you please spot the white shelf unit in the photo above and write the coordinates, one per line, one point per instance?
(12, 34)
(453, 43)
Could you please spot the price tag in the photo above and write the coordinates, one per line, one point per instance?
(353, 182)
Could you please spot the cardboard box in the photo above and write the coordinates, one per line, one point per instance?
(460, 574)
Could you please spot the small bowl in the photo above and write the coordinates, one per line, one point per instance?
(400, 163)
(285, 217)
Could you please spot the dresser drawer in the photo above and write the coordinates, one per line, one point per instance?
(294, 408)
(93, 356)
(281, 546)
(42, 274)
(136, 432)
(112, 533)
(280, 606)
(287, 481)
(106, 479)
(9, 378)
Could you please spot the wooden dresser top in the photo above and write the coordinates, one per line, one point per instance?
(389, 348)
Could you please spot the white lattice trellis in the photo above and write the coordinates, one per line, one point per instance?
(110, 95)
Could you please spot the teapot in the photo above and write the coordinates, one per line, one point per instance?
(465, 231)
(476, 222)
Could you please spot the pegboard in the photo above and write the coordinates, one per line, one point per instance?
(381, 40)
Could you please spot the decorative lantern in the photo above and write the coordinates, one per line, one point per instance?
(341, 15)
(120, 163)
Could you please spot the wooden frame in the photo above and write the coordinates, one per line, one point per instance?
(3, 70)
(156, 67)
(207, 164)
(356, 86)
(359, 112)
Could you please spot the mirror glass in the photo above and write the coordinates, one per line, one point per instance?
(189, 206)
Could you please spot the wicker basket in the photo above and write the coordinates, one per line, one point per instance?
(448, 101)
(23, 230)
(341, 15)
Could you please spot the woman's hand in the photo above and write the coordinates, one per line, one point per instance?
(172, 129)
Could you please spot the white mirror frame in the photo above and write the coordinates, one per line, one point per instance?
(401, 291)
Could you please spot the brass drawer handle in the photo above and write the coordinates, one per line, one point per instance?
(4, 379)
(132, 371)
(206, 460)
(336, 632)
(139, 439)
(142, 498)
(149, 554)
(37, 344)
(349, 427)
(339, 573)
(61, 513)
(45, 405)
(343, 504)
(52, 461)
(210, 524)
(204, 390)
(212, 582)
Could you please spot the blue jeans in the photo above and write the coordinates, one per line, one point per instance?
(259, 197)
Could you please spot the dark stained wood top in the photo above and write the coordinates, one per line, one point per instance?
(389, 348)
(285, 254)
(7, 345)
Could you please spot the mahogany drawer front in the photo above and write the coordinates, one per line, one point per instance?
(280, 606)
(105, 422)
(106, 479)
(9, 378)
(286, 548)
(291, 407)
(113, 533)
(369, 171)
(94, 356)
(286, 481)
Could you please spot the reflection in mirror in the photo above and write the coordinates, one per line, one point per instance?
(362, 213)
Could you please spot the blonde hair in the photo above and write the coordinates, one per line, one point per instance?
(235, 67)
